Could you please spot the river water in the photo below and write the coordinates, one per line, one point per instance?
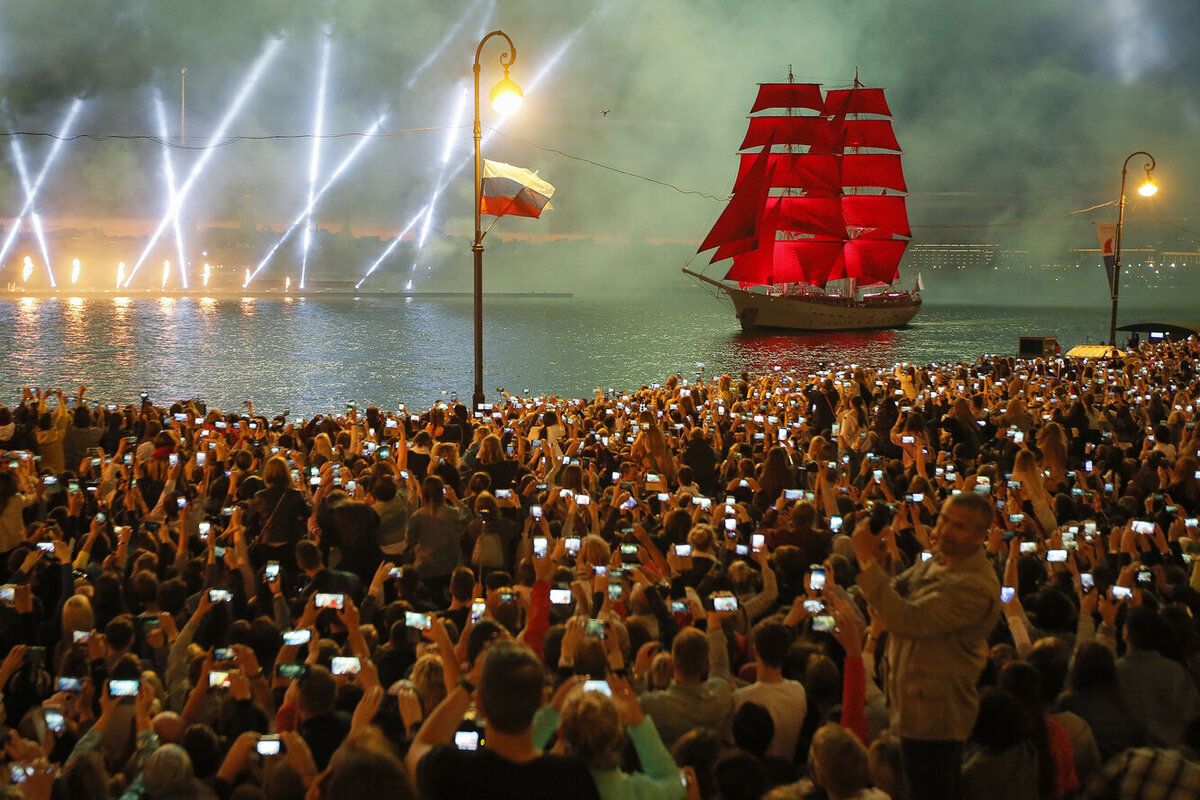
(309, 355)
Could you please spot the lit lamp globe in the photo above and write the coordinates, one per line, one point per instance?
(506, 96)
(1148, 188)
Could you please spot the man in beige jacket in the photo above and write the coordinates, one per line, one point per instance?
(938, 615)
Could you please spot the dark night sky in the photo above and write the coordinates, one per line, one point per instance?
(1008, 112)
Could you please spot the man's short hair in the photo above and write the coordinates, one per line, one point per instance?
(689, 652)
(839, 760)
(308, 555)
(317, 692)
(771, 641)
(119, 631)
(511, 687)
(462, 583)
(384, 488)
(977, 503)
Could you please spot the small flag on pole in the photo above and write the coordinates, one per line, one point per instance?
(1107, 233)
(506, 189)
(920, 287)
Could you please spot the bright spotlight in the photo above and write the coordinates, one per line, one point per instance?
(1148, 188)
(207, 270)
(170, 171)
(337, 173)
(31, 195)
(35, 221)
(442, 45)
(27, 269)
(74, 271)
(395, 243)
(120, 274)
(238, 101)
(463, 97)
(318, 125)
(287, 283)
(166, 273)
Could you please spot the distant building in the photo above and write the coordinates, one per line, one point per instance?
(950, 255)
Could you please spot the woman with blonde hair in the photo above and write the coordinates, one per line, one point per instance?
(323, 447)
(1025, 470)
(445, 465)
(593, 726)
(428, 676)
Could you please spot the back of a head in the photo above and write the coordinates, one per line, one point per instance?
(689, 653)
(384, 488)
(317, 692)
(771, 642)
(741, 776)
(753, 729)
(510, 687)
(205, 749)
(1094, 668)
(367, 774)
(119, 632)
(462, 584)
(839, 761)
(699, 749)
(433, 490)
(885, 765)
(1144, 629)
(1051, 657)
(592, 729)
(166, 766)
(308, 555)
(1001, 723)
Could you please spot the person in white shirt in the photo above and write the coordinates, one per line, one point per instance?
(784, 699)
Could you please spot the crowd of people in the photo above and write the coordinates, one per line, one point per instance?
(946, 581)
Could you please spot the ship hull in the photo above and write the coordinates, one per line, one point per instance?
(816, 312)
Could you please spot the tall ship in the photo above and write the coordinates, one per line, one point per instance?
(817, 223)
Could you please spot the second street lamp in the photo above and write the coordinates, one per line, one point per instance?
(1147, 188)
(506, 98)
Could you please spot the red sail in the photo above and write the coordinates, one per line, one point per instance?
(817, 174)
(738, 223)
(807, 260)
(871, 169)
(813, 131)
(819, 216)
(875, 133)
(874, 260)
(789, 95)
(758, 265)
(884, 213)
(856, 101)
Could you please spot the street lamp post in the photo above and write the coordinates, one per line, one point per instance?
(506, 97)
(1146, 189)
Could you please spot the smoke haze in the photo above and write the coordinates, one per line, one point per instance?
(1010, 115)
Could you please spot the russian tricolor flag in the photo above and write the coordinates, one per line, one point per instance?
(506, 189)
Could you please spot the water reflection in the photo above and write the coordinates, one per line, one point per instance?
(314, 355)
